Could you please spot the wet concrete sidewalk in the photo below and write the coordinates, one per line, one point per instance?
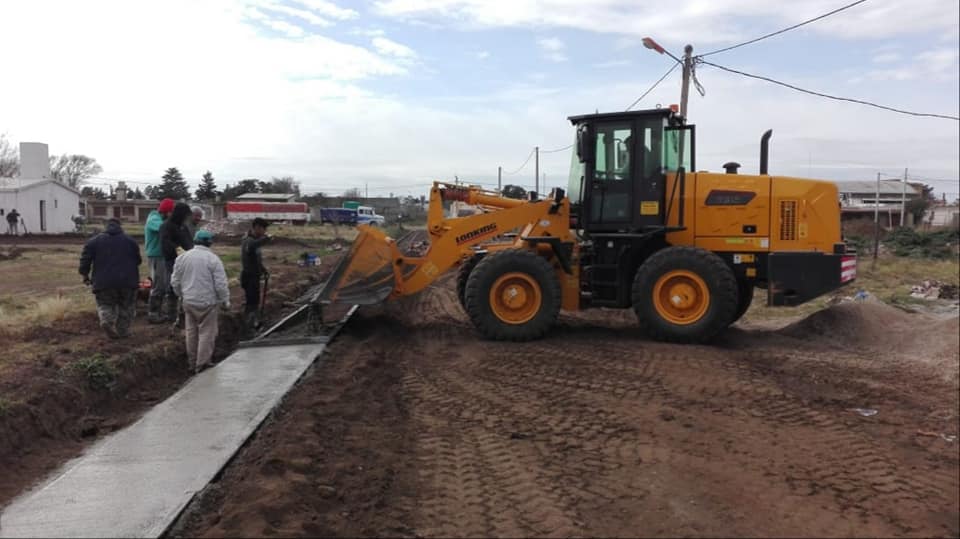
(135, 482)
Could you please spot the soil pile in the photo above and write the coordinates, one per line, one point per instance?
(892, 334)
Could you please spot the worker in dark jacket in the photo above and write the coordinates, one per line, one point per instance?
(173, 234)
(251, 260)
(115, 260)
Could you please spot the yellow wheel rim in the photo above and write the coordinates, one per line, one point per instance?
(681, 297)
(515, 298)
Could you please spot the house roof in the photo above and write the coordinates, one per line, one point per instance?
(15, 185)
(887, 187)
(266, 196)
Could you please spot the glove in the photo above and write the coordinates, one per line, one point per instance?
(86, 280)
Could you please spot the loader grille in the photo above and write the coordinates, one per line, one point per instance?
(788, 220)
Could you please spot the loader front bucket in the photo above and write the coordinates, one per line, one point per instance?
(365, 276)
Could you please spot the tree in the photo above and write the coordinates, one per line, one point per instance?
(285, 185)
(207, 190)
(918, 206)
(251, 185)
(94, 192)
(514, 191)
(353, 192)
(173, 186)
(73, 169)
(136, 194)
(9, 158)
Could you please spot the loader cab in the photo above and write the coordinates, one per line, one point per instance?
(619, 166)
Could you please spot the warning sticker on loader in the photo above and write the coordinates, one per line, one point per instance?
(649, 207)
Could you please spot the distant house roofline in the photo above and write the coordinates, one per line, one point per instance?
(14, 185)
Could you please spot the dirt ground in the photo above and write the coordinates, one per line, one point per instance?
(65, 384)
(841, 424)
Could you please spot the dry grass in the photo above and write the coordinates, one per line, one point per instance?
(15, 316)
(889, 281)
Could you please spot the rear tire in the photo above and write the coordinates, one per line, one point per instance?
(513, 295)
(685, 295)
(745, 297)
(462, 275)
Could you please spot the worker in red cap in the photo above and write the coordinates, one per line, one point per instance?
(159, 274)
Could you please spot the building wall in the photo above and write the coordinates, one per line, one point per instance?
(60, 205)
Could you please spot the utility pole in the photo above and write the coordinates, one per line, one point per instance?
(876, 222)
(366, 190)
(536, 170)
(499, 179)
(903, 199)
(685, 89)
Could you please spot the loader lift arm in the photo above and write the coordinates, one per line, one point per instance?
(376, 269)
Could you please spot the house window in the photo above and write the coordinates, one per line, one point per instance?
(55, 204)
(99, 210)
(129, 210)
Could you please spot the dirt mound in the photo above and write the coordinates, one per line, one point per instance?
(890, 332)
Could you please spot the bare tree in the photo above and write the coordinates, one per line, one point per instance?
(9, 158)
(73, 169)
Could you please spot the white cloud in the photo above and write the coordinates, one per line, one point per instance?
(481, 55)
(388, 47)
(937, 64)
(886, 58)
(552, 49)
(284, 27)
(302, 14)
(328, 9)
(673, 22)
(611, 64)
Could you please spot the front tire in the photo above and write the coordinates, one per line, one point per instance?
(462, 275)
(745, 298)
(513, 295)
(685, 295)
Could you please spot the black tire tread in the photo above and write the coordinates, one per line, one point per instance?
(712, 269)
(463, 273)
(486, 272)
(744, 297)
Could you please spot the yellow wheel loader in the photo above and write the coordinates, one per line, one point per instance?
(637, 227)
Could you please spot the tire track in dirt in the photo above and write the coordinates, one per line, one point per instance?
(594, 431)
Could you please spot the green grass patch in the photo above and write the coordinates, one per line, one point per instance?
(98, 371)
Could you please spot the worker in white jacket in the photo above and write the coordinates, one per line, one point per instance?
(200, 280)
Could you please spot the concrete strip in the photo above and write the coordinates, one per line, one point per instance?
(135, 482)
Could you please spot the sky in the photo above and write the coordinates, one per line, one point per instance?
(389, 95)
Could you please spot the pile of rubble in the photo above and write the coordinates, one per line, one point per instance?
(930, 289)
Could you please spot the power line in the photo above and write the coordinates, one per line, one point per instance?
(808, 21)
(523, 165)
(674, 66)
(811, 92)
(558, 149)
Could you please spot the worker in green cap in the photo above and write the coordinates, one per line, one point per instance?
(200, 280)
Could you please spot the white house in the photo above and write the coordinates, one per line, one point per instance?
(45, 206)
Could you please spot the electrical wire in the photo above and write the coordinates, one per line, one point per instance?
(811, 92)
(558, 149)
(674, 66)
(808, 21)
(523, 165)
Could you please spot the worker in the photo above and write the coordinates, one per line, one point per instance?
(115, 260)
(13, 221)
(251, 260)
(201, 282)
(190, 225)
(194, 221)
(159, 276)
(173, 235)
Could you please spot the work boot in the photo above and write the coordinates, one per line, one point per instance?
(170, 309)
(153, 309)
(110, 330)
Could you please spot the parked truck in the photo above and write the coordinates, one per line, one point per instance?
(361, 215)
